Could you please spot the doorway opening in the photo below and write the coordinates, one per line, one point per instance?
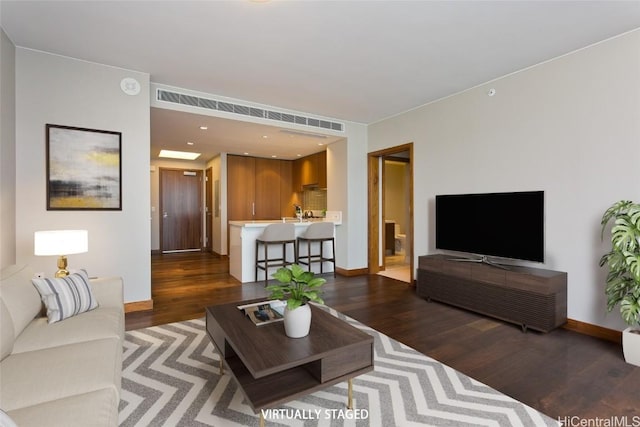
(391, 213)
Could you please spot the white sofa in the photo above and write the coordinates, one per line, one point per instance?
(65, 373)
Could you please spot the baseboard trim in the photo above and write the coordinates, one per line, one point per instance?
(351, 273)
(594, 331)
(130, 307)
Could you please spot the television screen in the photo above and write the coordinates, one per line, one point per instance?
(506, 225)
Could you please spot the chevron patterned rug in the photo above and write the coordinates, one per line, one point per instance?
(171, 378)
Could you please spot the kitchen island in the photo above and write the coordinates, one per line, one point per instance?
(242, 247)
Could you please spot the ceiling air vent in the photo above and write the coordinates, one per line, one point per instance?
(225, 106)
(289, 118)
(241, 109)
(245, 110)
(189, 100)
(169, 96)
(208, 103)
(256, 112)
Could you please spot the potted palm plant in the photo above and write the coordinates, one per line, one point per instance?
(623, 280)
(297, 287)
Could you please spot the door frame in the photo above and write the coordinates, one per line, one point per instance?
(208, 210)
(200, 174)
(376, 180)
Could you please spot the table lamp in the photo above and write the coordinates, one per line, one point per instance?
(61, 243)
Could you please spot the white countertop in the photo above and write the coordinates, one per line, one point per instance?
(331, 216)
(264, 223)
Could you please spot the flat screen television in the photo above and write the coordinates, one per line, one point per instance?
(505, 225)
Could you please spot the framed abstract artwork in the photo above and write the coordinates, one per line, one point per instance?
(84, 169)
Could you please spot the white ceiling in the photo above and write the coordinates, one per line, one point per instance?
(359, 61)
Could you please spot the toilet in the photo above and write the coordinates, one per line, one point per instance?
(400, 239)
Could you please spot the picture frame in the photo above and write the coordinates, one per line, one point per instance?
(84, 168)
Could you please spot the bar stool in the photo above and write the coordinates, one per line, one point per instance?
(275, 234)
(320, 232)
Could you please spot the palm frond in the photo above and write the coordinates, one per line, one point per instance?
(632, 259)
(624, 234)
(623, 261)
(630, 310)
(613, 211)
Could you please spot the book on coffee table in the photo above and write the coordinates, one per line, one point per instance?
(264, 312)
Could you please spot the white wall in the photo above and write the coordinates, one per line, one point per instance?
(570, 127)
(347, 192)
(65, 91)
(7, 152)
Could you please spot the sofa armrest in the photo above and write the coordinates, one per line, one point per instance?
(108, 291)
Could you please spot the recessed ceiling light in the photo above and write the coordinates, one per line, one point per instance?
(299, 155)
(320, 143)
(204, 127)
(265, 136)
(274, 156)
(182, 155)
(189, 143)
(246, 154)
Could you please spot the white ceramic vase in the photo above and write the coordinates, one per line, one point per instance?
(631, 347)
(297, 321)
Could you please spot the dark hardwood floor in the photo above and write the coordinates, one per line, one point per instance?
(562, 373)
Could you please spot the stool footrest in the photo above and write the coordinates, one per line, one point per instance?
(309, 258)
(313, 258)
(279, 264)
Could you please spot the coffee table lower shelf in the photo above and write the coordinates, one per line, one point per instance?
(281, 387)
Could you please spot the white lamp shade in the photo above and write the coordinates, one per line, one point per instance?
(60, 242)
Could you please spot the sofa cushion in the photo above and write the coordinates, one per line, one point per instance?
(6, 332)
(66, 296)
(35, 377)
(96, 409)
(108, 291)
(93, 325)
(20, 296)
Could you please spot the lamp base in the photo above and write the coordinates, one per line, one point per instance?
(62, 267)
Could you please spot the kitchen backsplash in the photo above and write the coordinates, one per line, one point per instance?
(315, 200)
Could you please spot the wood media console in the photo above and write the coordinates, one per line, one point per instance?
(530, 297)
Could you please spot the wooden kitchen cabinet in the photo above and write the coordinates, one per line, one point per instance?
(322, 169)
(267, 194)
(241, 187)
(310, 170)
(258, 188)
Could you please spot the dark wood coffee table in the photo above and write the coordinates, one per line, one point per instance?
(272, 369)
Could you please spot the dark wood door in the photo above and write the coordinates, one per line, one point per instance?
(180, 203)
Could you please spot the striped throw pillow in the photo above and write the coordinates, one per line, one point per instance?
(66, 296)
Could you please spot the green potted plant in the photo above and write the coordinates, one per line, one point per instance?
(297, 287)
(623, 280)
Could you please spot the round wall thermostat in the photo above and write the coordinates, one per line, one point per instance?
(130, 86)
